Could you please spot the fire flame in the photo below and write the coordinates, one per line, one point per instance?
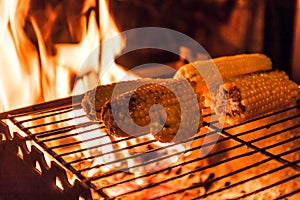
(19, 59)
(31, 75)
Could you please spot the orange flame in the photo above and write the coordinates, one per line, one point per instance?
(19, 78)
(30, 75)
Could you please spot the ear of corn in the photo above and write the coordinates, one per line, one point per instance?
(173, 120)
(228, 66)
(231, 66)
(94, 100)
(252, 95)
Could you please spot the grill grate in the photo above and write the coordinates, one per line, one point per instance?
(260, 157)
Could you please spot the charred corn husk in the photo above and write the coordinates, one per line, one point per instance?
(94, 100)
(253, 95)
(228, 66)
(171, 121)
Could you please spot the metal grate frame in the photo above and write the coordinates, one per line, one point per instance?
(262, 147)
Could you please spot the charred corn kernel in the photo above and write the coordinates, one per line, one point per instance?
(163, 122)
(228, 66)
(94, 100)
(244, 101)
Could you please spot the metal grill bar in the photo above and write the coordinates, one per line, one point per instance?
(236, 172)
(61, 130)
(178, 165)
(270, 186)
(52, 106)
(167, 168)
(151, 151)
(249, 179)
(289, 194)
(227, 175)
(54, 136)
(261, 117)
(45, 116)
(262, 150)
(186, 174)
(128, 157)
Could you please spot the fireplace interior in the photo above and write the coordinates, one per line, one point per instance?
(49, 149)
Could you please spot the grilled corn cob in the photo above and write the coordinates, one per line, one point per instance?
(252, 95)
(94, 100)
(228, 66)
(174, 121)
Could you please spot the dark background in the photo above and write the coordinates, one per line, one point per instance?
(222, 27)
(202, 20)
